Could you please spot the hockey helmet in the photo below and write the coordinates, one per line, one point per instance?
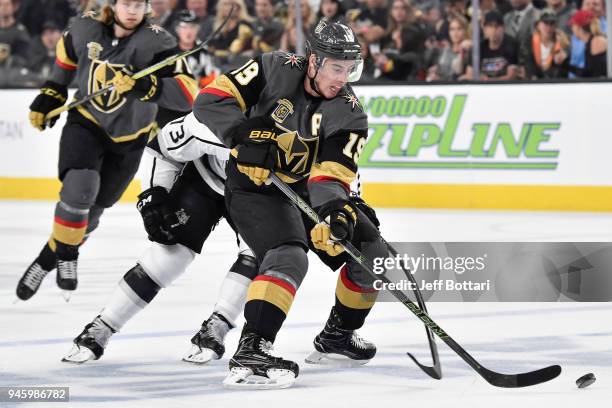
(335, 41)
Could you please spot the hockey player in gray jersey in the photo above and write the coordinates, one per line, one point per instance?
(180, 206)
(103, 140)
(299, 117)
(183, 179)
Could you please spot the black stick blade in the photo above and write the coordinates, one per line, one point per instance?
(523, 379)
(434, 372)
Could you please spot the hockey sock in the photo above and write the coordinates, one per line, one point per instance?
(69, 224)
(136, 290)
(47, 258)
(353, 303)
(231, 298)
(268, 301)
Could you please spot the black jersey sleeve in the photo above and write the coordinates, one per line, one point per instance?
(66, 61)
(222, 105)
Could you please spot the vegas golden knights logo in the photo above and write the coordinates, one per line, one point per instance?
(284, 109)
(296, 154)
(100, 75)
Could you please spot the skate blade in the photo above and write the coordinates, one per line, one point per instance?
(333, 360)
(17, 300)
(244, 379)
(200, 356)
(66, 295)
(79, 355)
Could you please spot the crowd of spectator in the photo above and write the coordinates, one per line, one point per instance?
(416, 40)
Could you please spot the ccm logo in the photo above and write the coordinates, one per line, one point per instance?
(143, 202)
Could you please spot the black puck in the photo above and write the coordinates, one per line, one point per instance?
(585, 380)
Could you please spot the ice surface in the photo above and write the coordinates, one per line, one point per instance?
(142, 367)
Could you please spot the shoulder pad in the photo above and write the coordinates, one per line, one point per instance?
(347, 113)
(161, 38)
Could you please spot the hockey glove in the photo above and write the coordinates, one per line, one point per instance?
(256, 154)
(159, 220)
(147, 88)
(52, 96)
(358, 202)
(340, 217)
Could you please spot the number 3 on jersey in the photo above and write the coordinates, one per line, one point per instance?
(246, 73)
(354, 146)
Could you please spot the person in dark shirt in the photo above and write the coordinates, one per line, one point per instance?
(41, 52)
(34, 13)
(498, 52)
(586, 27)
(332, 10)
(14, 39)
(370, 21)
(267, 30)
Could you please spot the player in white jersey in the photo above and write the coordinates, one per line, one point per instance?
(182, 202)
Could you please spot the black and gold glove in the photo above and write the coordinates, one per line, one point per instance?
(52, 96)
(256, 149)
(339, 222)
(147, 88)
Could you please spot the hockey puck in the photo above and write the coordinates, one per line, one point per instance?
(585, 380)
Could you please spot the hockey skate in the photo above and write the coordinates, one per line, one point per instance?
(253, 367)
(207, 344)
(340, 347)
(66, 277)
(90, 344)
(32, 278)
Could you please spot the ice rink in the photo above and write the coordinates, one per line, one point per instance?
(142, 367)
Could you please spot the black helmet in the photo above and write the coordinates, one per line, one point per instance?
(336, 41)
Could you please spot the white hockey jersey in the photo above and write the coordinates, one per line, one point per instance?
(180, 141)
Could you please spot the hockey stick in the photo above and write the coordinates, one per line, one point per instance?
(494, 378)
(142, 73)
(436, 370)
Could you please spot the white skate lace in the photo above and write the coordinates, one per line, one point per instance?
(100, 332)
(34, 276)
(358, 342)
(67, 269)
(216, 328)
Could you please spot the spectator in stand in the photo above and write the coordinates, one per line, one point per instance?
(34, 13)
(498, 52)
(452, 8)
(267, 29)
(41, 53)
(200, 63)
(289, 39)
(577, 54)
(520, 22)
(451, 61)
(563, 11)
(332, 10)
(207, 21)
(163, 15)
(403, 46)
(598, 8)
(236, 36)
(370, 20)
(14, 39)
(586, 27)
(545, 54)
